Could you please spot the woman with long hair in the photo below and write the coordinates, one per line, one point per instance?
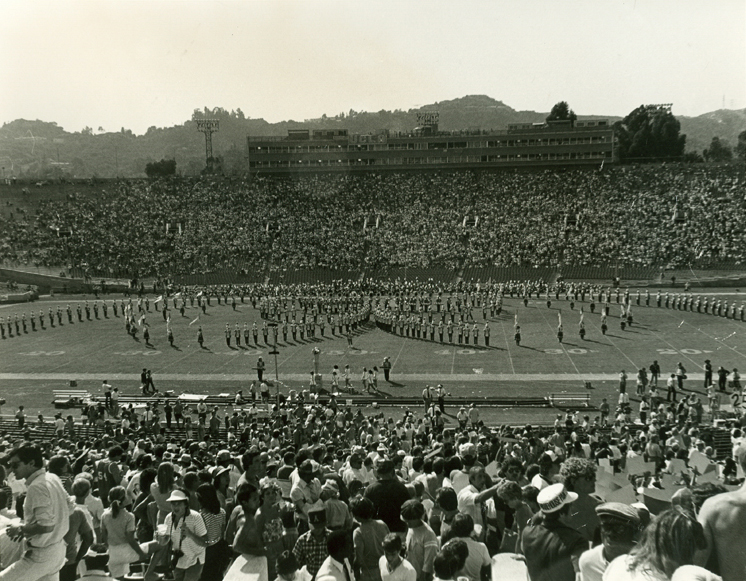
(218, 552)
(668, 542)
(118, 531)
(161, 489)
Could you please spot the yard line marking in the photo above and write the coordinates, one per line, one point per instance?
(614, 345)
(681, 354)
(561, 344)
(721, 341)
(403, 342)
(505, 335)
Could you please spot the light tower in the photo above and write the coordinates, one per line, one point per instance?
(208, 127)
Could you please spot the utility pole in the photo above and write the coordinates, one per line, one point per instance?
(208, 127)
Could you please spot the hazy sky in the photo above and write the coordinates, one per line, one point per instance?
(139, 63)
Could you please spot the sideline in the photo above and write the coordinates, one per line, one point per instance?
(431, 377)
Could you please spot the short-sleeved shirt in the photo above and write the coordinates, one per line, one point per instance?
(367, 540)
(404, 572)
(193, 553)
(117, 528)
(311, 551)
(422, 546)
(467, 504)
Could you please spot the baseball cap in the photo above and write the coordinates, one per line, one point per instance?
(316, 517)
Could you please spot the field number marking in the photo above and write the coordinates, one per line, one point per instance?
(682, 351)
(574, 351)
(43, 353)
(459, 351)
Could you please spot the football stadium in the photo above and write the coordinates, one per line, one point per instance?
(461, 342)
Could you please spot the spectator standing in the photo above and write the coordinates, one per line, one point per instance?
(421, 542)
(217, 552)
(392, 566)
(386, 365)
(367, 540)
(579, 476)
(478, 562)
(118, 532)
(311, 547)
(336, 567)
(551, 548)
(680, 375)
(620, 524)
(46, 512)
(188, 536)
(723, 519)
(388, 494)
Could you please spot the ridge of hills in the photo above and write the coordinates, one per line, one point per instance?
(41, 149)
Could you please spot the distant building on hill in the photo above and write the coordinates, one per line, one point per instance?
(549, 144)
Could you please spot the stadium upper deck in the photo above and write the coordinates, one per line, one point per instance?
(551, 144)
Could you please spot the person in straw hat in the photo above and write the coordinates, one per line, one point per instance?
(552, 549)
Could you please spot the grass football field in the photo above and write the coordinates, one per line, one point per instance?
(35, 363)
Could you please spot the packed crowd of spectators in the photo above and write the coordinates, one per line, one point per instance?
(622, 215)
(319, 491)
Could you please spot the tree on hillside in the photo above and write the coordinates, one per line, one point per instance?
(163, 168)
(741, 146)
(649, 133)
(718, 151)
(562, 112)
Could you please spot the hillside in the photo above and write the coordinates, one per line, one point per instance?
(39, 149)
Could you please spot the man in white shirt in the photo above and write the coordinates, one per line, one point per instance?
(355, 470)
(305, 493)
(336, 567)
(392, 566)
(46, 519)
(472, 499)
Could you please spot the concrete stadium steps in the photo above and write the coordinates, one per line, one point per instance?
(10, 431)
(358, 400)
